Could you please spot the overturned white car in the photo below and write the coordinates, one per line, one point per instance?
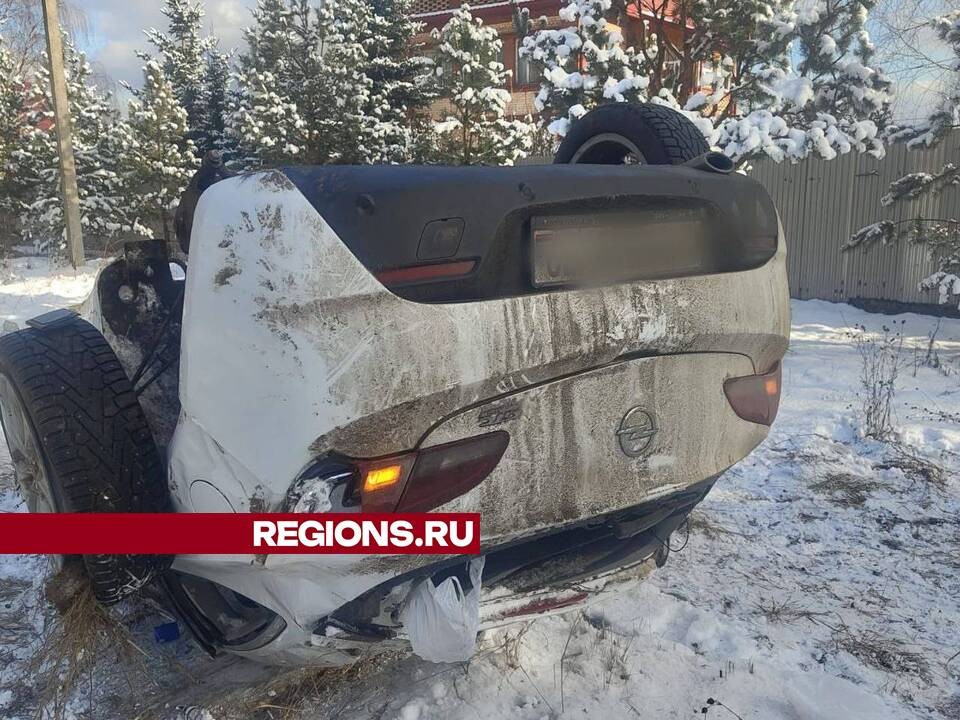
(576, 351)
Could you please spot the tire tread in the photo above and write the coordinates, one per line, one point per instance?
(94, 435)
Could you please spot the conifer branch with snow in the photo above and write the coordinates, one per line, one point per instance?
(940, 236)
(161, 158)
(789, 79)
(469, 76)
(100, 142)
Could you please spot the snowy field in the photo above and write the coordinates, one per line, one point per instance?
(821, 580)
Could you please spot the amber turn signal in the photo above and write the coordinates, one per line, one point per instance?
(379, 478)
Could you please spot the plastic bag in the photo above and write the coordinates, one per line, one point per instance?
(441, 621)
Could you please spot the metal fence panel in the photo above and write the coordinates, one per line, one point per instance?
(822, 203)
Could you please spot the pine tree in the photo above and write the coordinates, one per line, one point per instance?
(269, 39)
(583, 64)
(183, 52)
(470, 76)
(802, 80)
(281, 103)
(789, 78)
(344, 90)
(399, 93)
(263, 125)
(100, 142)
(302, 91)
(212, 127)
(161, 159)
(14, 107)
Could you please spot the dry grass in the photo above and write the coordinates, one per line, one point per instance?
(783, 611)
(884, 653)
(707, 525)
(289, 694)
(75, 644)
(280, 698)
(915, 466)
(845, 489)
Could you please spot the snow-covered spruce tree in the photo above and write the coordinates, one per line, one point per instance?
(183, 55)
(796, 78)
(161, 159)
(100, 142)
(399, 92)
(344, 93)
(583, 64)
(302, 93)
(941, 236)
(263, 122)
(470, 77)
(264, 126)
(14, 107)
(212, 127)
(790, 78)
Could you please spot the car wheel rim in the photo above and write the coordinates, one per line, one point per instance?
(28, 467)
(608, 149)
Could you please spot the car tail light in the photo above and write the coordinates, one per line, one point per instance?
(755, 398)
(422, 480)
(382, 481)
(426, 273)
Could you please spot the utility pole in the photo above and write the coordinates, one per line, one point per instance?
(61, 117)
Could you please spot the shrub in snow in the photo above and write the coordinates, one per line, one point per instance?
(101, 140)
(469, 76)
(880, 365)
(941, 236)
(161, 159)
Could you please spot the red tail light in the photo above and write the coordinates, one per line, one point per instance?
(755, 398)
(422, 480)
(426, 273)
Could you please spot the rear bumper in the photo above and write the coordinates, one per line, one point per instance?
(550, 573)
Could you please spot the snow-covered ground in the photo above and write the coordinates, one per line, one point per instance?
(821, 578)
(30, 287)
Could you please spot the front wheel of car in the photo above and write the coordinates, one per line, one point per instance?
(78, 438)
(631, 133)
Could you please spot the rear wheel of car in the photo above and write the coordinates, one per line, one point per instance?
(79, 440)
(620, 133)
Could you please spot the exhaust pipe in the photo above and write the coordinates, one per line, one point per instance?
(711, 161)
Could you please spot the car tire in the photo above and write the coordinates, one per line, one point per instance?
(79, 438)
(612, 133)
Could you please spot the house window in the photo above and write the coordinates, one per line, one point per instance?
(440, 63)
(671, 68)
(526, 73)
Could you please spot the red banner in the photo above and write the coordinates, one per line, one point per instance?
(240, 534)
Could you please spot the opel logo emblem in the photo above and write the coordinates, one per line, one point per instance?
(636, 431)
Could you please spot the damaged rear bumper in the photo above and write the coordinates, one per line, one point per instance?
(547, 574)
